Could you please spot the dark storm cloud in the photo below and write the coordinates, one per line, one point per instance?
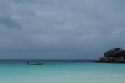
(6, 17)
(10, 22)
(66, 29)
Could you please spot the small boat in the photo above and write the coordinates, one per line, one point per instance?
(34, 63)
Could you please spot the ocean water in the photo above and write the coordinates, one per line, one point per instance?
(61, 72)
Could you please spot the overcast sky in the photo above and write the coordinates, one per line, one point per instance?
(60, 29)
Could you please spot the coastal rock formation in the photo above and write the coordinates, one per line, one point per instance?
(115, 55)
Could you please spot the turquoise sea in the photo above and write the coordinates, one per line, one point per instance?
(61, 72)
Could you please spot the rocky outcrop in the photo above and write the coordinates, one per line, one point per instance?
(115, 55)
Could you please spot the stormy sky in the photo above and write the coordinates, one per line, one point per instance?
(60, 29)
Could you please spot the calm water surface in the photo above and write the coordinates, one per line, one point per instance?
(77, 72)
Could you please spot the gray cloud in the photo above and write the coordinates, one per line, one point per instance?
(10, 22)
(6, 17)
(66, 29)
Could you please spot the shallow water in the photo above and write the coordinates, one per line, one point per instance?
(77, 72)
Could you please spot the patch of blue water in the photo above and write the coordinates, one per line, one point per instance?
(19, 72)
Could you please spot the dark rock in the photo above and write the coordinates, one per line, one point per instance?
(115, 55)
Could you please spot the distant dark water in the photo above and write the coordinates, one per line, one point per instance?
(45, 61)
